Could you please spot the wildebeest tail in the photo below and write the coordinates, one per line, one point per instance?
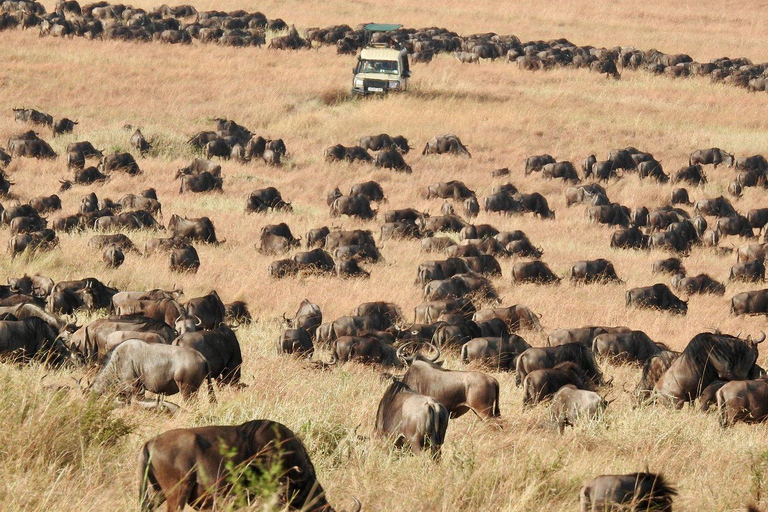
(437, 423)
(148, 484)
(496, 411)
(464, 354)
(211, 394)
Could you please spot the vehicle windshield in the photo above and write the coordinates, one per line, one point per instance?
(377, 66)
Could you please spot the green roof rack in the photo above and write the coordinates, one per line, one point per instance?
(381, 27)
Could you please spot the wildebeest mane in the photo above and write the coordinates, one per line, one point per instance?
(705, 345)
(660, 497)
(392, 392)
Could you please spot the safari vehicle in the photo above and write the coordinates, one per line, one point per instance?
(380, 67)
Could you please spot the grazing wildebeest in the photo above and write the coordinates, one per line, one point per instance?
(533, 272)
(198, 465)
(237, 313)
(538, 358)
(295, 341)
(535, 163)
(745, 400)
(657, 296)
(392, 159)
(706, 358)
(200, 229)
(458, 391)
(542, 384)
(571, 404)
(135, 366)
(562, 170)
(448, 143)
(629, 238)
(593, 271)
(500, 353)
(220, 348)
(631, 347)
(353, 206)
(701, 283)
(412, 418)
(748, 272)
(384, 141)
(113, 256)
(119, 162)
(636, 492)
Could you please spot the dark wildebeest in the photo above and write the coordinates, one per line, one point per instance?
(316, 237)
(745, 401)
(571, 404)
(538, 358)
(237, 313)
(135, 366)
(753, 302)
(535, 163)
(657, 296)
(701, 283)
(458, 391)
(758, 217)
(516, 317)
(364, 350)
(113, 256)
(499, 353)
(203, 182)
(448, 143)
(392, 159)
(749, 272)
(668, 266)
(63, 126)
(220, 348)
(752, 252)
(448, 190)
(562, 170)
(653, 369)
(119, 162)
(295, 341)
(736, 225)
(307, 317)
(632, 347)
(542, 384)
(200, 229)
(535, 203)
(583, 335)
(384, 141)
(184, 258)
(262, 199)
(412, 418)
(84, 147)
(353, 206)
(197, 465)
(533, 272)
(715, 156)
(636, 491)
(706, 358)
(370, 189)
(692, 174)
(139, 143)
(593, 271)
(209, 309)
(629, 238)
(31, 338)
(316, 260)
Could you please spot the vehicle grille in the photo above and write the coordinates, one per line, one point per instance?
(381, 84)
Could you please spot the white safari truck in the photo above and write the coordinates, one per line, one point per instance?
(380, 67)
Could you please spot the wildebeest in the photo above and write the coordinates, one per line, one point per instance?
(633, 346)
(29, 338)
(119, 162)
(538, 358)
(448, 143)
(135, 366)
(200, 229)
(668, 266)
(44, 240)
(583, 335)
(221, 350)
(692, 174)
(736, 225)
(184, 258)
(533, 272)
(636, 491)
(500, 353)
(316, 260)
(237, 313)
(562, 170)
(198, 465)
(453, 189)
(458, 391)
(392, 159)
(113, 256)
(715, 156)
(384, 141)
(63, 125)
(209, 309)
(629, 238)
(706, 358)
(308, 317)
(701, 283)
(753, 302)
(364, 350)
(743, 400)
(296, 342)
(516, 317)
(542, 384)
(203, 182)
(412, 418)
(592, 271)
(571, 404)
(262, 199)
(749, 272)
(139, 143)
(535, 163)
(657, 296)
(353, 206)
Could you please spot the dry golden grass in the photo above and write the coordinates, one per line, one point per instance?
(52, 459)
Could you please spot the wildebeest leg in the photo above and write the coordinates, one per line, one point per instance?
(187, 390)
(179, 496)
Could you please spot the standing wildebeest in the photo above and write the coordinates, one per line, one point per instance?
(136, 366)
(638, 492)
(542, 384)
(197, 465)
(657, 296)
(538, 358)
(593, 271)
(139, 143)
(692, 174)
(500, 353)
(633, 346)
(715, 156)
(706, 358)
(91, 341)
(392, 159)
(63, 126)
(412, 418)
(448, 143)
(571, 404)
(220, 348)
(533, 272)
(749, 272)
(535, 163)
(353, 206)
(745, 400)
(629, 238)
(194, 229)
(458, 391)
(203, 182)
(384, 141)
(119, 162)
(295, 341)
(563, 170)
(209, 309)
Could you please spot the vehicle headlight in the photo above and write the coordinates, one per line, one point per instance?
(394, 85)
(358, 82)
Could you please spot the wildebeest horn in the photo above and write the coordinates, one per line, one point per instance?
(285, 320)
(358, 506)
(333, 360)
(759, 340)
(199, 322)
(400, 355)
(610, 381)
(437, 350)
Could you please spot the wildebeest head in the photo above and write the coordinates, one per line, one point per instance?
(408, 359)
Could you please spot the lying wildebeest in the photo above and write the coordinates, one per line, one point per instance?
(119, 162)
(200, 229)
(593, 271)
(516, 317)
(583, 335)
(136, 366)
(657, 296)
(295, 341)
(715, 156)
(535, 163)
(706, 358)
(203, 182)
(458, 391)
(745, 400)
(316, 260)
(636, 491)
(353, 206)
(753, 302)
(668, 266)
(633, 346)
(31, 338)
(412, 418)
(348, 153)
(571, 404)
(500, 353)
(748, 272)
(538, 358)
(542, 384)
(184, 258)
(198, 465)
(448, 143)
(533, 272)
(701, 283)
(392, 159)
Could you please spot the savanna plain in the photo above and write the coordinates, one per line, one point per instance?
(61, 452)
